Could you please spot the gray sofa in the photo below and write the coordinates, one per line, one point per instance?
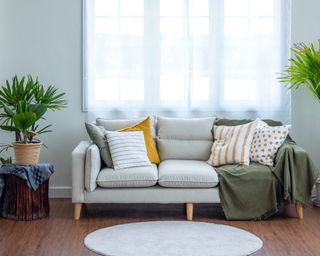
(183, 176)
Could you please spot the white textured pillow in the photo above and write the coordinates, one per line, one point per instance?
(232, 144)
(128, 149)
(266, 142)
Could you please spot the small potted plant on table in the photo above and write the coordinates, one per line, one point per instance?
(23, 103)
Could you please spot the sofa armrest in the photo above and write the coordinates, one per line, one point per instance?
(92, 167)
(78, 171)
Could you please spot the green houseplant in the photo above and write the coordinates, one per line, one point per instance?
(23, 103)
(304, 70)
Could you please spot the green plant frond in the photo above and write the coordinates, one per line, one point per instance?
(44, 129)
(6, 161)
(304, 68)
(24, 121)
(35, 127)
(5, 146)
(16, 91)
(50, 97)
(4, 120)
(9, 128)
(8, 110)
(38, 109)
(53, 99)
(22, 106)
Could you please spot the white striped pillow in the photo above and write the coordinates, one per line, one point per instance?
(128, 149)
(232, 144)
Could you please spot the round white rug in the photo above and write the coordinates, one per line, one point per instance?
(172, 238)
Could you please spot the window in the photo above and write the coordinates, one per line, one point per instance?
(186, 56)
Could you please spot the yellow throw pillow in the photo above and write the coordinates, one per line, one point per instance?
(145, 126)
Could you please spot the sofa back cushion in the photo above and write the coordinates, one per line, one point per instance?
(145, 126)
(96, 134)
(114, 125)
(234, 122)
(102, 125)
(181, 138)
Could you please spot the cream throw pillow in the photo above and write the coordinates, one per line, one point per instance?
(128, 149)
(266, 142)
(232, 144)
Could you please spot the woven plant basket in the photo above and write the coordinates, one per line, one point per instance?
(26, 154)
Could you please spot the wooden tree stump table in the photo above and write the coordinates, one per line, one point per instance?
(22, 203)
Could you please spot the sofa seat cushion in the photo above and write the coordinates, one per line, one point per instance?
(145, 176)
(187, 174)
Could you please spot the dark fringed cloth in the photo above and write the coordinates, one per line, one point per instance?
(34, 175)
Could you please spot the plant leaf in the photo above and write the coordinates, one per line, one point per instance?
(9, 128)
(25, 120)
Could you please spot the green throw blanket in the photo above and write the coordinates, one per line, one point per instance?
(256, 191)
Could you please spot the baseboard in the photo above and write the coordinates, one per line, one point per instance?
(60, 192)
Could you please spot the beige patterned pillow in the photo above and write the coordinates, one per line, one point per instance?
(266, 142)
(232, 144)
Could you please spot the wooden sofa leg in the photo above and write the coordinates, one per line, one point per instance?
(77, 210)
(299, 210)
(189, 208)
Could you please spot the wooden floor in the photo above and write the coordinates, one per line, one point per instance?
(61, 235)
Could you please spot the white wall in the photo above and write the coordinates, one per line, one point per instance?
(43, 37)
(305, 109)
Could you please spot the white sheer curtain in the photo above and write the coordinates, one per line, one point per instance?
(186, 57)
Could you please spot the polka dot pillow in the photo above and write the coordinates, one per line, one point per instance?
(266, 142)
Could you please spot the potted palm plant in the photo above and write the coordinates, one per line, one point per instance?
(304, 71)
(23, 103)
